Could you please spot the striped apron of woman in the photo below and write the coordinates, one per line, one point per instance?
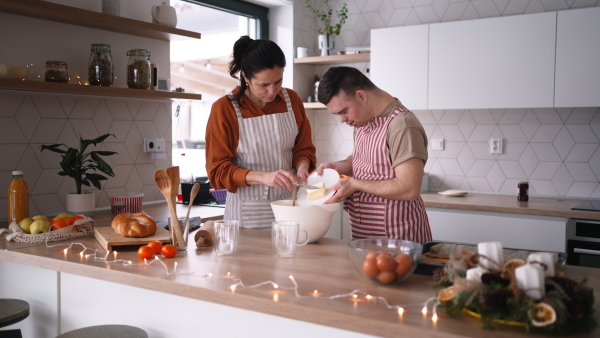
(266, 144)
(372, 216)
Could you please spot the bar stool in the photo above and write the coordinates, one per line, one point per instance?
(12, 311)
(106, 331)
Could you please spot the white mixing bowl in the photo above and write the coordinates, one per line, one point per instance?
(315, 219)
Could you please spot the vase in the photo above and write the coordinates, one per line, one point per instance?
(81, 204)
(326, 43)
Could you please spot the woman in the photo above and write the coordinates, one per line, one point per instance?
(258, 137)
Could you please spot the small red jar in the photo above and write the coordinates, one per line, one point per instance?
(523, 194)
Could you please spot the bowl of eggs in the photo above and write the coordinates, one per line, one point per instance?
(385, 261)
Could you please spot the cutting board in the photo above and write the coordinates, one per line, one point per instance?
(108, 238)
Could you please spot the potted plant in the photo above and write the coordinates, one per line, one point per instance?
(328, 29)
(86, 168)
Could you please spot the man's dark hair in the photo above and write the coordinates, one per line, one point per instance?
(342, 79)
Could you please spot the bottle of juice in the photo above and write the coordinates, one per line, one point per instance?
(18, 198)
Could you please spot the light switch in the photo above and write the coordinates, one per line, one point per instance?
(437, 144)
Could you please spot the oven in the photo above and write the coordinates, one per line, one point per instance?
(583, 243)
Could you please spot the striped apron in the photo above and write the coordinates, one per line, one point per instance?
(266, 144)
(372, 216)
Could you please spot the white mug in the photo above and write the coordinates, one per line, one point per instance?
(225, 237)
(302, 52)
(285, 236)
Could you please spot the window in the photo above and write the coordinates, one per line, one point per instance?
(201, 66)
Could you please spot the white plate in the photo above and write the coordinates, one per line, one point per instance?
(455, 193)
(330, 177)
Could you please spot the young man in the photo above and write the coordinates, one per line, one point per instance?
(390, 150)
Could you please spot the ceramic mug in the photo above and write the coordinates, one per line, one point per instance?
(302, 52)
(285, 237)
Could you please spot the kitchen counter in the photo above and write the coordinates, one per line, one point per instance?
(323, 268)
(536, 206)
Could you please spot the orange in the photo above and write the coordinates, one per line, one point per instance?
(156, 246)
(448, 294)
(72, 220)
(59, 223)
(168, 250)
(145, 252)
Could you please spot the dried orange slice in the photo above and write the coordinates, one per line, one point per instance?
(542, 314)
(511, 265)
(448, 294)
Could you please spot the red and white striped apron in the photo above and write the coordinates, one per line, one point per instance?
(373, 216)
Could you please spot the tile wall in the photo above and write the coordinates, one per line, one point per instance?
(557, 150)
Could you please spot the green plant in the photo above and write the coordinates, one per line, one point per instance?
(325, 17)
(82, 166)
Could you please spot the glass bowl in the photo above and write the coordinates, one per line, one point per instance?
(385, 261)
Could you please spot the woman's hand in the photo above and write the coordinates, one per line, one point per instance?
(279, 179)
(302, 171)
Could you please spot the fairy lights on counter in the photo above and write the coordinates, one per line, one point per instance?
(355, 296)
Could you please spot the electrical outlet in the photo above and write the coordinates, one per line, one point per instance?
(495, 146)
(437, 144)
(154, 145)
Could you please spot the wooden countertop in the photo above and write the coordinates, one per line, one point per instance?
(323, 266)
(538, 206)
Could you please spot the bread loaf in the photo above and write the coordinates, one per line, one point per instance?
(138, 224)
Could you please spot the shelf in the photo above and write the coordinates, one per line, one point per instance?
(314, 105)
(333, 59)
(81, 17)
(75, 89)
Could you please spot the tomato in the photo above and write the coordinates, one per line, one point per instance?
(145, 252)
(156, 246)
(168, 250)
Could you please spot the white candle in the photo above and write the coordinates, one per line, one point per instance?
(530, 278)
(546, 258)
(475, 273)
(493, 251)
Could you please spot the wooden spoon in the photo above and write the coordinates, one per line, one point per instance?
(186, 224)
(163, 181)
(173, 173)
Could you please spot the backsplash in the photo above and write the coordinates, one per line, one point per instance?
(557, 150)
(28, 121)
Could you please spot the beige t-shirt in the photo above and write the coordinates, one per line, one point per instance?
(405, 137)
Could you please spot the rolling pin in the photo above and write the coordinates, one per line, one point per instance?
(203, 237)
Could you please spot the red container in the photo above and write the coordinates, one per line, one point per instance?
(128, 202)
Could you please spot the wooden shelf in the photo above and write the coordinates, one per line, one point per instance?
(314, 105)
(332, 59)
(81, 17)
(74, 89)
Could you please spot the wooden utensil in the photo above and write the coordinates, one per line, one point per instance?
(173, 173)
(203, 237)
(163, 181)
(186, 224)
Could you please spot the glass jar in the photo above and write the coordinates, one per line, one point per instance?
(138, 69)
(56, 71)
(18, 198)
(100, 66)
(523, 193)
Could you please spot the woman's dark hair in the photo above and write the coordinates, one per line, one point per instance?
(252, 56)
(342, 79)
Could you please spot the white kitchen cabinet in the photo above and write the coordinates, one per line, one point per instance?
(504, 62)
(577, 58)
(536, 233)
(400, 63)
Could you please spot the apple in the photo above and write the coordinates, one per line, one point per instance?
(64, 215)
(25, 224)
(38, 226)
(38, 217)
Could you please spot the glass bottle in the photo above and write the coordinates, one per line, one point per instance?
(138, 69)
(56, 71)
(100, 66)
(18, 198)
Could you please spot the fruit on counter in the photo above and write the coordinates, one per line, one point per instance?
(386, 268)
(38, 217)
(39, 226)
(71, 220)
(156, 246)
(58, 223)
(448, 294)
(542, 314)
(25, 224)
(145, 252)
(404, 264)
(63, 215)
(168, 250)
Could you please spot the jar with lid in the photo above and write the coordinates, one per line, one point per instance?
(18, 198)
(138, 69)
(100, 66)
(56, 71)
(523, 193)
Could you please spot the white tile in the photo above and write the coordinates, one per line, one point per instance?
(466, 159)
(134, 183)
(512, 116)
(470, 13)
(581, 189)
(452, 132)
(529, 124)
(452, 116)
(451, 150)
(119, 109)
(122, 173)
(501, 4)
(452, 182)
(596, 193)
(102, 118)
(324, 147)
(120, 129)
(361, 28)
(545, 152)
(11, 156)
(147, 111)
(563, 143)
(564, 113)
(546, 133)
(48, 183)
(595, 124)
(30, 166)
(584, 3)
(134, 106)
(425, 116)
(545, 170)
(162, 120)
(402, 3)
(48, 106)
(582, 133)
(496, 177)
(528, 161)
(582, 152)
(481, 168)
(67, 103)
(9, 104)
(512, 169)
(413, 19)
(455, 11)
(84, 108)
(438, 114)
(554, 5)
(581, 172)
(479, 184)
(515, 7)
(122, 157)
(151, 192)
(440, 7)
(48, 130)
(482, 133)
(486, 8)
(28, 118)
(513, 133)
(542, 188)
(582, 115)
(85, 128)
(374, 20)
(467, 124)
(481, 150)
(534, 6)
(510, 187)
(595, 163)
(451, 167)
(482, 116)
(47, 204)
(69, 137)
(427, 14)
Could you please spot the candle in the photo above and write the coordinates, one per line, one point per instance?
(530, 278)
(494, 256)
(474, 274)
(545, 258)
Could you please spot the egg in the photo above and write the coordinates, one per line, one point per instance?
(370, 268)
(385, 262)
(404, 264)
(386, 277)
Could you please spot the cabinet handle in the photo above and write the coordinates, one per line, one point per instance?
(586, 251)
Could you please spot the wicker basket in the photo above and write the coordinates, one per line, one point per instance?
(81, 228)
(219, 195)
